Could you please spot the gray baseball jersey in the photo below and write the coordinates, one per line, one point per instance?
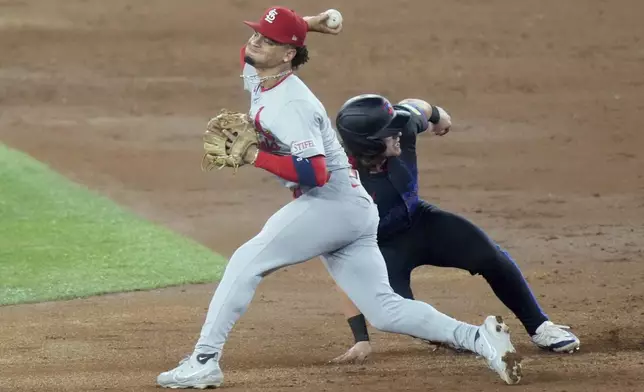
(291, 120)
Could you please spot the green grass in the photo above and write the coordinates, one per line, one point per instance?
(58, 240)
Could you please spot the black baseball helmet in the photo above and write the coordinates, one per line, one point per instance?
(363, 121)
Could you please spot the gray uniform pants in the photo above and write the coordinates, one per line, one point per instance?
(338, 222)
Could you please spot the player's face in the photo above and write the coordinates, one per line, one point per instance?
(393, 146)
(264, 53)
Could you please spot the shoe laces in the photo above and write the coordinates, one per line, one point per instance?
(559, 326)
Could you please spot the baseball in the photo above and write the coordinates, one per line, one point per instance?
(335, 18)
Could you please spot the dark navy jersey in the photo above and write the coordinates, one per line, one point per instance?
(395, 191)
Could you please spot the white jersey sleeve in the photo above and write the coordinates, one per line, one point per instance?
(299, 124)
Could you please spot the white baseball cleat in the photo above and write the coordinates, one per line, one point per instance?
(555, 338)
(199, 371)
(492, 341)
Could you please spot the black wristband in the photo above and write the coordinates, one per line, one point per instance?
(436, 115)
(358, 326)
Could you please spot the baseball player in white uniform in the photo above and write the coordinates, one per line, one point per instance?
(331, 216)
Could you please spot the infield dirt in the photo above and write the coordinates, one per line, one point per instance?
(545, 155)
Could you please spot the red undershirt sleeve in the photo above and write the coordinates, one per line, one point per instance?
(310, 172)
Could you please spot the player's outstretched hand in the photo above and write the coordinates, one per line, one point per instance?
(356, 354)
(318, 24)
(445, 123)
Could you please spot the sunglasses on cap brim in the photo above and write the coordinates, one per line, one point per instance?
(395, 126)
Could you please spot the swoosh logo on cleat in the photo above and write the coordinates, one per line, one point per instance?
(203, 358)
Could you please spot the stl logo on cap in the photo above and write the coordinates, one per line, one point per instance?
(270, 16)
(282, 25)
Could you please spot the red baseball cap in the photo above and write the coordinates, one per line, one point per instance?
(281, 25)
